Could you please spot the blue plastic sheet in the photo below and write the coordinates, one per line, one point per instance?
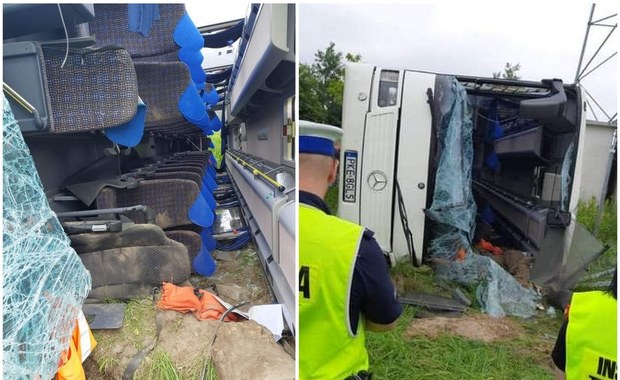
(211, 96)
(453, 211)
(191, 105)
(216, 124)
(200, 212)
(186, 35)
(130, 133)
(207, 238)
(44, 281)
(191, 57)
(203, 263)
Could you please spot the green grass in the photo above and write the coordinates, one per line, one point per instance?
(394, 356)
(162, 367)
(209, 372)
(586, 215)
(139, 321)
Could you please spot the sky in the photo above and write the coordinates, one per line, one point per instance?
(207, 13)
(469, 38)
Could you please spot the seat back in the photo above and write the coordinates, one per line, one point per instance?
(169, 198)
(111, 27)
(131, 262)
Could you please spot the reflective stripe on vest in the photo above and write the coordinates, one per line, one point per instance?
(591, 337)
(327, 251)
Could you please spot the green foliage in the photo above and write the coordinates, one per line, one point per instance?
(321, 85)
(310, 107)
(586, 215)
(510, 72)
(331, 198)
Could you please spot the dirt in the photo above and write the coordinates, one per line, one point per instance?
(242, 349)
(475, 327)
(242, 271)
(247, 351)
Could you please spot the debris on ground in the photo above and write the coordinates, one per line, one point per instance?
(242, 349)
(431, 301)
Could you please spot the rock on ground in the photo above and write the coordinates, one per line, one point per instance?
(247, 351)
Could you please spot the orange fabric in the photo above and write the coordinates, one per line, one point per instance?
(490, 247)
(184, 299)
(460, 255)
(72, 369)
(70, 366)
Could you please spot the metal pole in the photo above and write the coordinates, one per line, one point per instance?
(601, 201)
(596, 53)
(595, 102)
(599, 65)
(585, 41)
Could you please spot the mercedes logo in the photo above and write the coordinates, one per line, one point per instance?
(377, 180)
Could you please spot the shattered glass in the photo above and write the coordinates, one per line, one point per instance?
(567, 165)
(45, 282)
(453, 212)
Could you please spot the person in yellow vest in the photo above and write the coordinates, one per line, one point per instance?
(344, 284)
(586, 347)
(216, 139)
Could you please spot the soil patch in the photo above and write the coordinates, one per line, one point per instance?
(247, 351)
(242, 349)
(475, 327)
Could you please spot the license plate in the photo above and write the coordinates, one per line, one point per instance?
(350, 176)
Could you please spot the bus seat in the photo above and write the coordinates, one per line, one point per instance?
(131, 262)
(93, 89)
(171, 199)
(190, 239)
(111, 26)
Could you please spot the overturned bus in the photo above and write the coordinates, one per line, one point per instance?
(125, 145)
(435, 164)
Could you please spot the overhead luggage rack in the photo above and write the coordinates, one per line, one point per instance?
(488, 86)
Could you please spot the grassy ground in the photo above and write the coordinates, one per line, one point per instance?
(586, 214)
(393, 355)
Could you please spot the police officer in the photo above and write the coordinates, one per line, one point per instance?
(344, 285)
(586, 347)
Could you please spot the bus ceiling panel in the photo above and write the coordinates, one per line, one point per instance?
(24, 19)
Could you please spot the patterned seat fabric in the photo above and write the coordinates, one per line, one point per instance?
(111, 28)
(169, 198)
(190, 239)
(96, 88)
(161, 85)
(130, 263)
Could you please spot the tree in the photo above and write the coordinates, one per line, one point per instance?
(510, 72)
(321, 86)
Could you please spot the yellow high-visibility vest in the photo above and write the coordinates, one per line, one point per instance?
(591, 337)
(328, 247)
